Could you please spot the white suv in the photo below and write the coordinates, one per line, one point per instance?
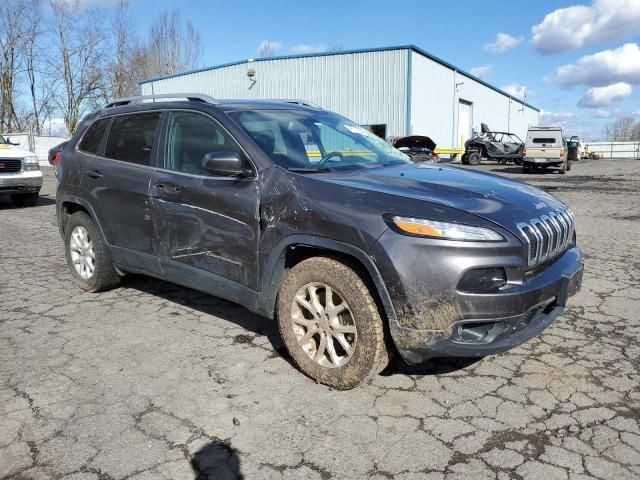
(20, 174)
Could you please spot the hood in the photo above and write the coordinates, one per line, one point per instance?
(494, 198)
(11, 151)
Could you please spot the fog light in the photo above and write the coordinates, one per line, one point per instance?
(482, 279)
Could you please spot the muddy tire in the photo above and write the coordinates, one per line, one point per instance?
(88, 255)
(474, 158)
(24, 199)
(344, 349)
(464, 159)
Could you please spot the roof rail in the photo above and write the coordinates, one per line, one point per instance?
(194, 97)
(299, 102)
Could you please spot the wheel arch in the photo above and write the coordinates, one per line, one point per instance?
(70, 204)
(293, 249)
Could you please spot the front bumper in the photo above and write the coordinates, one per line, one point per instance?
(434, 319)
(21, 182)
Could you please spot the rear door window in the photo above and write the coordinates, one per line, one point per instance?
(91, 139)
(131, 138)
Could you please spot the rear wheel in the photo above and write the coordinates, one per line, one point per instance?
(330, 323)
(526, 168)
(88, 255)
(563, 168)
(25, 199)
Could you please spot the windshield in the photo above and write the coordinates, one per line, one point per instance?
(300, 140)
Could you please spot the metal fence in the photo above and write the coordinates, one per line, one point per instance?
(38, 144)
(615, 149)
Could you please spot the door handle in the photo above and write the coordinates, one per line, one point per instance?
(93, 174)
(167, 187)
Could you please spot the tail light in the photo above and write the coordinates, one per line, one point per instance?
(524, 152)
(562, 152)
(56, 159)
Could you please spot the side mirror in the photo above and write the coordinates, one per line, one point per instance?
(13, 141)
(227, 164)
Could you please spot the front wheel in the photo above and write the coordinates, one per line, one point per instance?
(474, 158)
(88, 255)
(330, 323)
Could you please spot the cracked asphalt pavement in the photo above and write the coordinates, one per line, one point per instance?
(156, 381)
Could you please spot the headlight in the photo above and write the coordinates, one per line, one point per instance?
(446, 230)
(31, 163)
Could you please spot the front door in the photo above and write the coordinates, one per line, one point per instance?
(206, 227)
(118, 181)
(465, 119)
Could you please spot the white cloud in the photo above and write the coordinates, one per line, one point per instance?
(602, 96)
(603, 68)
(309, 48)
(600, 113)
(483, 71)
(268, 47)
(548, 118)
(580, 25)
(516, 90)
(503, 42)
(55, 126)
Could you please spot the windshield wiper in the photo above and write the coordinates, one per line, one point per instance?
(308, 170)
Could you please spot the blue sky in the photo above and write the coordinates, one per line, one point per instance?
(460, 32)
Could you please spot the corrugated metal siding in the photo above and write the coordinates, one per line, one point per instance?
(369, 88)
(434, 104)
(432, 108)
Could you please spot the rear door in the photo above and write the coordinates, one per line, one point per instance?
(118, 181)
(206, 226)
(544, 144)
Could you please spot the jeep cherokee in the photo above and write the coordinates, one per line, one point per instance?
(304, 216)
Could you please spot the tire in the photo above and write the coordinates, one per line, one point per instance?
(526, 168)
(365, 336)
(103, 276)
(24, 199)
(474, 158)
(569, 165)
(464, 159)
(563, 168)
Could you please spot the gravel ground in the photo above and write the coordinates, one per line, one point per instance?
(154, 381)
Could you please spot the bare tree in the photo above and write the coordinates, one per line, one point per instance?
(173, 46)
(620, 130)
(12, 34)
(125, 44)
(80, 61)
(267, 48)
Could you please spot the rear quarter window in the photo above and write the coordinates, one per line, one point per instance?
(91, 139)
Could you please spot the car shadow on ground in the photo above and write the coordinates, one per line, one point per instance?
(258, 325)
(216, 460)
(6, 204)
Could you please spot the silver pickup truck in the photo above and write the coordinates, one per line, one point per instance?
(20, 175)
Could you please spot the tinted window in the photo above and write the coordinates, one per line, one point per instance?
(131, 138)
(91, 140)
(544, 140)
(191, 136)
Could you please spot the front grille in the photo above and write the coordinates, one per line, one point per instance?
(10, 165)
(548, 236)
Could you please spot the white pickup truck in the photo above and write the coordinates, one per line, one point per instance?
(20, 174)
(545, 147)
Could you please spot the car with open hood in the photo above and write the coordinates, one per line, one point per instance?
(305, 217)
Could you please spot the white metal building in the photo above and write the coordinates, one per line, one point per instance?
(396, 90)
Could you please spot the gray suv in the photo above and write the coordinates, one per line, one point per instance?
(304, 216)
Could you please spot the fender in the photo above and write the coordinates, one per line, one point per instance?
(67, 198)
(274, 270)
